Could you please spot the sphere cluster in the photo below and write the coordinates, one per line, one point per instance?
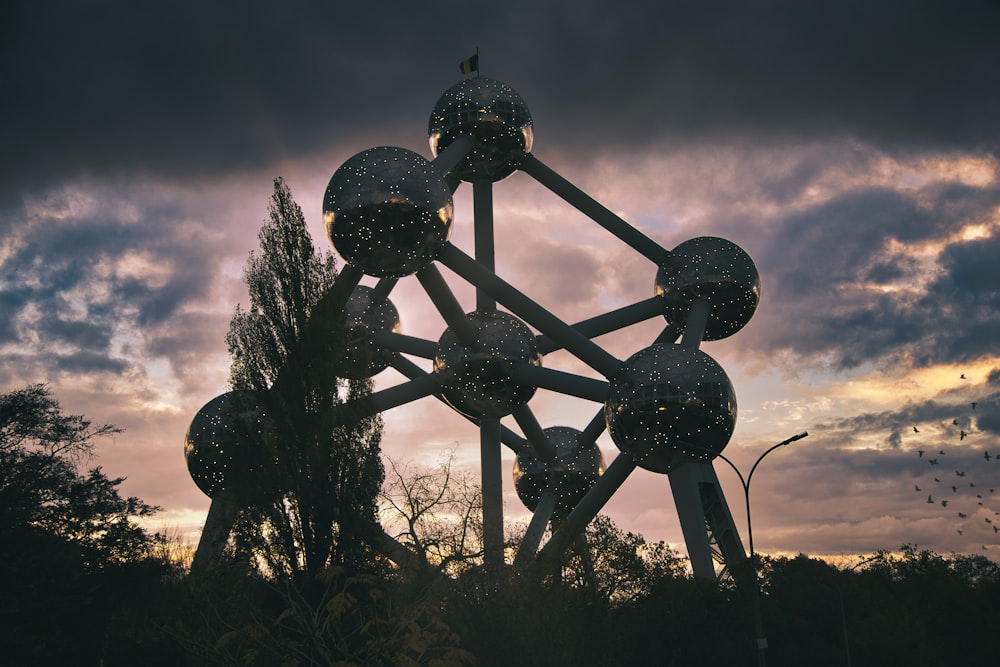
(388, 211)
(475, 376)
(494, 117)
(669, 404)
(576, 467)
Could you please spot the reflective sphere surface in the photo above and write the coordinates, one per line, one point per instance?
(668, 405)
(388, 211)
(475, 379)
(216, 446)
(715, 269)
(494, 117)
(361, 357)
(577, 466)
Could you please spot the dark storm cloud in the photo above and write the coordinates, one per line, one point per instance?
(69, 286)
(836, 290)
(194, 88)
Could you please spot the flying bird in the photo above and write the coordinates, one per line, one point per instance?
(944, 503)
(961, 435)
(920, 453)
(933, 462)
(973, 405)
(962, 376)
(955, 422)
(960, 473)
(962, 515)
(986, 455)
(930, 500)
(936, 479)
(916, 430)
(916, 488)
(954, 489)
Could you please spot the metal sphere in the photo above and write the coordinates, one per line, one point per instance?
(362, 357)
(475, 379)
(219, 443)
(715, 269)
(668, 405)
(576, 467)
(494, 117)
(388, 211)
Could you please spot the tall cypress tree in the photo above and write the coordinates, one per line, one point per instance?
(310, 497)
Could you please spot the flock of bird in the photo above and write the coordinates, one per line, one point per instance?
(954, 490)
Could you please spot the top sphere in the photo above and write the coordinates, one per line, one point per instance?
(494, 117)
(388, 211)
(714, 269)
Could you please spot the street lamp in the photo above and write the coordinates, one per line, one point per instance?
(758, 623)
(746, 482)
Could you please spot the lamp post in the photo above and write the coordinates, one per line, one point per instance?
(746, 482)
(758, 623)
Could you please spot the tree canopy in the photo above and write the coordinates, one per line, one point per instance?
(312, 500)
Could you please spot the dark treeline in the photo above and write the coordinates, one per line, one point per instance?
(82, 584)
(916, 609)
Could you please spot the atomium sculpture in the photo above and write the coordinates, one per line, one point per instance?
(669, 408)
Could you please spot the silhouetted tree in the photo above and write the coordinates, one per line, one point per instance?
(73, 559)
(311, 500)
(436, 513)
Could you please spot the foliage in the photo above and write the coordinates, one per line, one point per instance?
(72, 557)
(42, 492)
(333, 617)
(620, 566)
(312, 500)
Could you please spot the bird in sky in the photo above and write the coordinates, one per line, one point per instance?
(973, 405)
(954, 489)
(962, 515)
(986, 455)
(916, 487)
(930, 500)
(941, 453)
(920, 453)
(936, 479)
(962, 434)
(955, 422)
(933, 462)
(960, 473)
(944, 503)
(962, 376)
(916, 430)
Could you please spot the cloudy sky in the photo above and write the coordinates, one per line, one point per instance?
(852, 149)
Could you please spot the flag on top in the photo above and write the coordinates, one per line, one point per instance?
(470, 64)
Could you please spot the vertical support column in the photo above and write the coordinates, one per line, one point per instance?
(489, 451)
(489, 429)
(482, 209)
(692, 483)
(684, 485)
(219, 522)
